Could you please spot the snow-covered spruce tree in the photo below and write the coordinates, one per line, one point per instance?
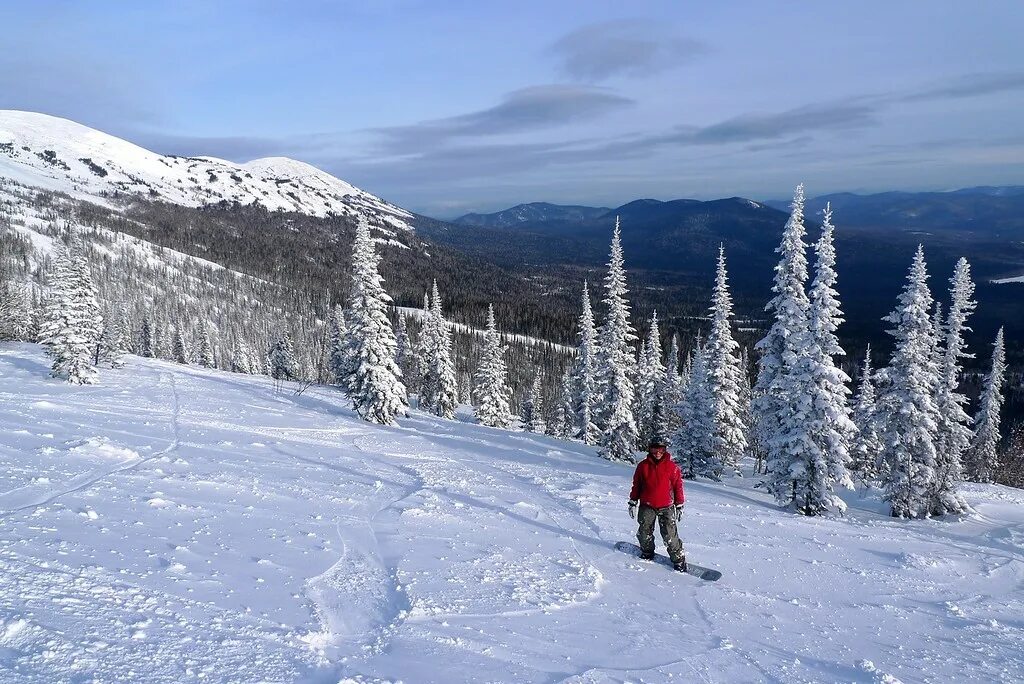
(785, 339)
(204, 346)
(110, 348)
(72, 322)
(124, 331)
(15, 312)
(584, 378)
(179, 349)
(375, 384)
(423, 344)
(672, 391)
(954, 427)
(564, 427)
(907, 406)
(533, 409)
(439, 382)
(241, 358)
(724, 383)
(146, 337)
(867, 445)
(281, 358)
(615, 364)
(492, 392)
(693, 442)
(833, 427)
(405, 355)
(650, 383)
(983, 455)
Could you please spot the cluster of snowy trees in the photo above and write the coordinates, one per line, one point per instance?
(907, 429)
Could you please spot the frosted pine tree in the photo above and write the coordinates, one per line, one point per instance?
(281, 363)
(110, 348)
(564, 427)
(405, 355)
(533, 409)
(179, 349)
(72, 323)
(672, 391)
(867, 445)
(146, 337)
(954, 428)
(983, 455)
(724, 382)
(650, 383)
(204, 346)
(375, 383)
(615, 364)
(240, 358)
(907, 407)
(15, 312)
(784, 340)
(492, 392)
(439, 393)
(833, 427)
(693, 442)
(584, 377)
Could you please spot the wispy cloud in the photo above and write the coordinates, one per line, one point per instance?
(528, 109)
(622, 48)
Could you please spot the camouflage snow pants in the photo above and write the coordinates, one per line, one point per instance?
(666, 518)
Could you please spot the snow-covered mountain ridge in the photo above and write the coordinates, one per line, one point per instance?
(176, 524)
(58, 154)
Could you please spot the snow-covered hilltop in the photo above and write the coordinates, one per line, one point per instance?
(58, 154)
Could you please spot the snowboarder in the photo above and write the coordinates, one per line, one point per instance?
(658, 491)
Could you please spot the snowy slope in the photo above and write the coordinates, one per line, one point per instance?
(57, 154)
(175, 525)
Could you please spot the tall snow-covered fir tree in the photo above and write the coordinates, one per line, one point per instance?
(615, 363)
(146, 337)
(833, 429)
(954, 425)
(375, 383)
(867, 445)
(909, 414)
(693, 441)
(584, 378)
(983, 454)
(783, 343)
(794, 466)
(724, 382)
(440, 389)
(204, 346)
(492, 392)
(533, 408)
(15, 311)
(650, 385)
(281, 364)
(72, 323)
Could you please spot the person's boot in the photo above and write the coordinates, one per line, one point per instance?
(644, 555)
(681, 565)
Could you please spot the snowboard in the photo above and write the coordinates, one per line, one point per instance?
(691, 569)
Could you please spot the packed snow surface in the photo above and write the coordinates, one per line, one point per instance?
(175, 525)
(57, 154)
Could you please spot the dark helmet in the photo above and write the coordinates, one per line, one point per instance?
(657, 443)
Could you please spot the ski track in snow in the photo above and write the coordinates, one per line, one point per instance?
(173, 524)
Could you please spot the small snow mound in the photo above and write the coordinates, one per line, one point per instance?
(919, 562)
(101, 447)
(877, 675)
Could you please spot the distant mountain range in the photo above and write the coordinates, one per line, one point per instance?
(525, 214)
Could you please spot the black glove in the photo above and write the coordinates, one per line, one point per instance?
(679, 512)
(632, 509)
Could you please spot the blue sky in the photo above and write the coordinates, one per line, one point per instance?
(448, 107)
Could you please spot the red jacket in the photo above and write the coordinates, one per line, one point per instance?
(657, 483)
